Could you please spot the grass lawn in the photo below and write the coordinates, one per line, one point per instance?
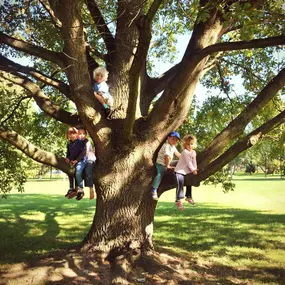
(233, 238)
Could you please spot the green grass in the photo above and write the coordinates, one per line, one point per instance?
(242, 230)
(240, 234)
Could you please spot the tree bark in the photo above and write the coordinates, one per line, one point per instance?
(124, 209)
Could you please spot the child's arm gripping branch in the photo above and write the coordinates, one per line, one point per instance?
(167, 162)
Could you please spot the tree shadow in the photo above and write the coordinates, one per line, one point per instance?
(33, 218)
(208, 230)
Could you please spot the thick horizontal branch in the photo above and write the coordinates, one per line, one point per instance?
(259, 43)
(30, 49)
(42, 100)
(11, 66)
(34, 152)
(101, 25)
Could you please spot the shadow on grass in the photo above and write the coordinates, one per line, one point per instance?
(207, 226)
(33, 224)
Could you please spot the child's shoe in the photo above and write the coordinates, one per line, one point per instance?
(68, 192)
(154, 194)
(190, 201)
(80, 194)
(107, 111)
(179, 205)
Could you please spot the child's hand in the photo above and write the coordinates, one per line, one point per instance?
(195, 172)
(170, 167)
(73, 162)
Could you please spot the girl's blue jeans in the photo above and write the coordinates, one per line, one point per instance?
(180, 185)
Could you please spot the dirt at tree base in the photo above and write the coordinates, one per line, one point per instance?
(75, 267)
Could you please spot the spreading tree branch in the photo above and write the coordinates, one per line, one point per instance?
(144, 26)
(258, 43)
(57, 23)
(101, 25)
(10, 66)
(12, 112)
(34, 152)
(244, 68)
(240, 146)
(42, 100)
(30, 49)
(237, 126)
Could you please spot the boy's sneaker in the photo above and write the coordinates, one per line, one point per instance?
(80, 194)
(107, 111)
(154, 195)
(179, 205)
(72, 194)
(190, 201)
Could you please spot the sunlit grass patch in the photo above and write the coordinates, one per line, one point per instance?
(33, 215)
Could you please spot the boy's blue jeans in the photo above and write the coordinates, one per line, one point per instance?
(79, 167)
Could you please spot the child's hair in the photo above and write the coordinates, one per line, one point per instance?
(101, 70)
(71, 130)
(80, 128)
(188, 138)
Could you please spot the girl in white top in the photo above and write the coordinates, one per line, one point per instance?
(187, 164)
(164, 159)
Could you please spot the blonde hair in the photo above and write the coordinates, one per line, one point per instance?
(101, 70)
(189, 138)
(71, 130)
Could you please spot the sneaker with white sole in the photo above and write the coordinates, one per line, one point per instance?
(190, 201)
(179, 205)
(154, 195)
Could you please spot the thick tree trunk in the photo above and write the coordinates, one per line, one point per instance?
(123, 221)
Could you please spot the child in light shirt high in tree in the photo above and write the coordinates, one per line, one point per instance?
(165, 160)
(101, 89)
(186, 164)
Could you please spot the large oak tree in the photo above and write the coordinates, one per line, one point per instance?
(67, 39)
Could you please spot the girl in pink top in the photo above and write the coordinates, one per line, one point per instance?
(187, 164)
